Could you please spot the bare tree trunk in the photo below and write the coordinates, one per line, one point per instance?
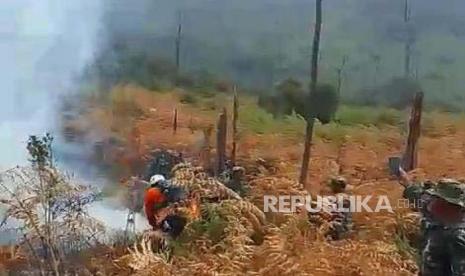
(175, 121)
(340, 72)
(221, 137)
(410, 159)
(408, 41)
(235, 119)
(178, 42)
(314, 75)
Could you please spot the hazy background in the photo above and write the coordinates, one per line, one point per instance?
(258, 43)
(47, 47)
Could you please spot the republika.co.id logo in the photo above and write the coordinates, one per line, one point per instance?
(337, 203)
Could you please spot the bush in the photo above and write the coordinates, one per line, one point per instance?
(324, 102)
(291, 97)
(211, 225)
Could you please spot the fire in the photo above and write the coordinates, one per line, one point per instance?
(194, 207)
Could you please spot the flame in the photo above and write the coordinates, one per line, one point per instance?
(194, 207)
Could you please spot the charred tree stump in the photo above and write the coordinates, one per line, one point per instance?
(205, 155)
(410, 158)
(221, 137)
(235, 119)
(175, 121)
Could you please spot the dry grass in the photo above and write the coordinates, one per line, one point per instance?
(290, 245)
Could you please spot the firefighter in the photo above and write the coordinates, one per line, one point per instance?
(155, 200)
(160, 214)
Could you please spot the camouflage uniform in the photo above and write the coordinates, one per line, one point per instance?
(162, 162)
(341, 223)
(234, 178)
(443, 246)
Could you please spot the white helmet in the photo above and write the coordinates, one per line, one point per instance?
(156, 178)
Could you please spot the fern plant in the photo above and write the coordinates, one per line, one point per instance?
(51, 211)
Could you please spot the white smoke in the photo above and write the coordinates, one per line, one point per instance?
(43, 46)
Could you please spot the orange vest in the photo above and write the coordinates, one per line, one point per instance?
(153, 198)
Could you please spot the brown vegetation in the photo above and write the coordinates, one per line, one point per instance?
(287, 244)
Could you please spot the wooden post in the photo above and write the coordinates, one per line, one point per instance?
(175, 121)
(221, 137)
(191, 125)
(313, 86)
(206, 149)
(410, 158)
(235, 119)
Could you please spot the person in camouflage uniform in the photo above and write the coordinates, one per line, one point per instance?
(234, 178)
(442, 225)
(162, 162)
(341, 223)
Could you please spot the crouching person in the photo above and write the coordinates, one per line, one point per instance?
(442, 206)
(341, 224)
(157, 200)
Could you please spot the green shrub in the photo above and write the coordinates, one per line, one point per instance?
(369, 116)
(292, 126)
(211, 225)
(351, 116)
(292, 97)
(324, 102)
(256, 119)
(388, 117)
(333, 132)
